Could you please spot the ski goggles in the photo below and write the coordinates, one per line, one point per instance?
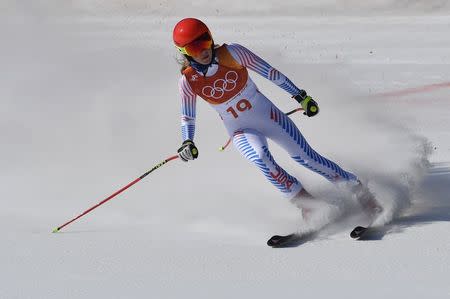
(196, 47)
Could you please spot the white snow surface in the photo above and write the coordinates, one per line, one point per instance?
(89, 102)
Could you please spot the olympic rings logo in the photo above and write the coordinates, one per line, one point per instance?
(220, 86)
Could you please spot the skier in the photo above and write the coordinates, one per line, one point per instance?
(219, 75)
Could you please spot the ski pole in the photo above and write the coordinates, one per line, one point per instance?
(116, 193)
(222, 148)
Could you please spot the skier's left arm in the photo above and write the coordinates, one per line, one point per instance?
(255, 63)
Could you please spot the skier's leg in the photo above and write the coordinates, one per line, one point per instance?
(283, 131)
(253, 146)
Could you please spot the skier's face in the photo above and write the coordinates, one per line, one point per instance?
(204, 57)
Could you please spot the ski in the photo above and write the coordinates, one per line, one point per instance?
(359, 232)
(291, 240)
(277, 240)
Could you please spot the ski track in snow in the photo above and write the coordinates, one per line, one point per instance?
(90, 102)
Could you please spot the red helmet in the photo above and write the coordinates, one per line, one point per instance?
(188, 30)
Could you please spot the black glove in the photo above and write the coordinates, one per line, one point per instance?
(308, 104)
(188, 151)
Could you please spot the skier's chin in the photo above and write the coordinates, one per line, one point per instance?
(204, 58)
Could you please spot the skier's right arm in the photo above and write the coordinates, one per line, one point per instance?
(188, 150)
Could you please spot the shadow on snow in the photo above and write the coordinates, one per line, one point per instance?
(433, 204)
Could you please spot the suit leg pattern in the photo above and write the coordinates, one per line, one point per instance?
(304, 154)
(253, 146)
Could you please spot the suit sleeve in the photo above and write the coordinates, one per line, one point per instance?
(188, 107)
(255, 63)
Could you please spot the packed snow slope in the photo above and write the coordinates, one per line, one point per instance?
(89, 102)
